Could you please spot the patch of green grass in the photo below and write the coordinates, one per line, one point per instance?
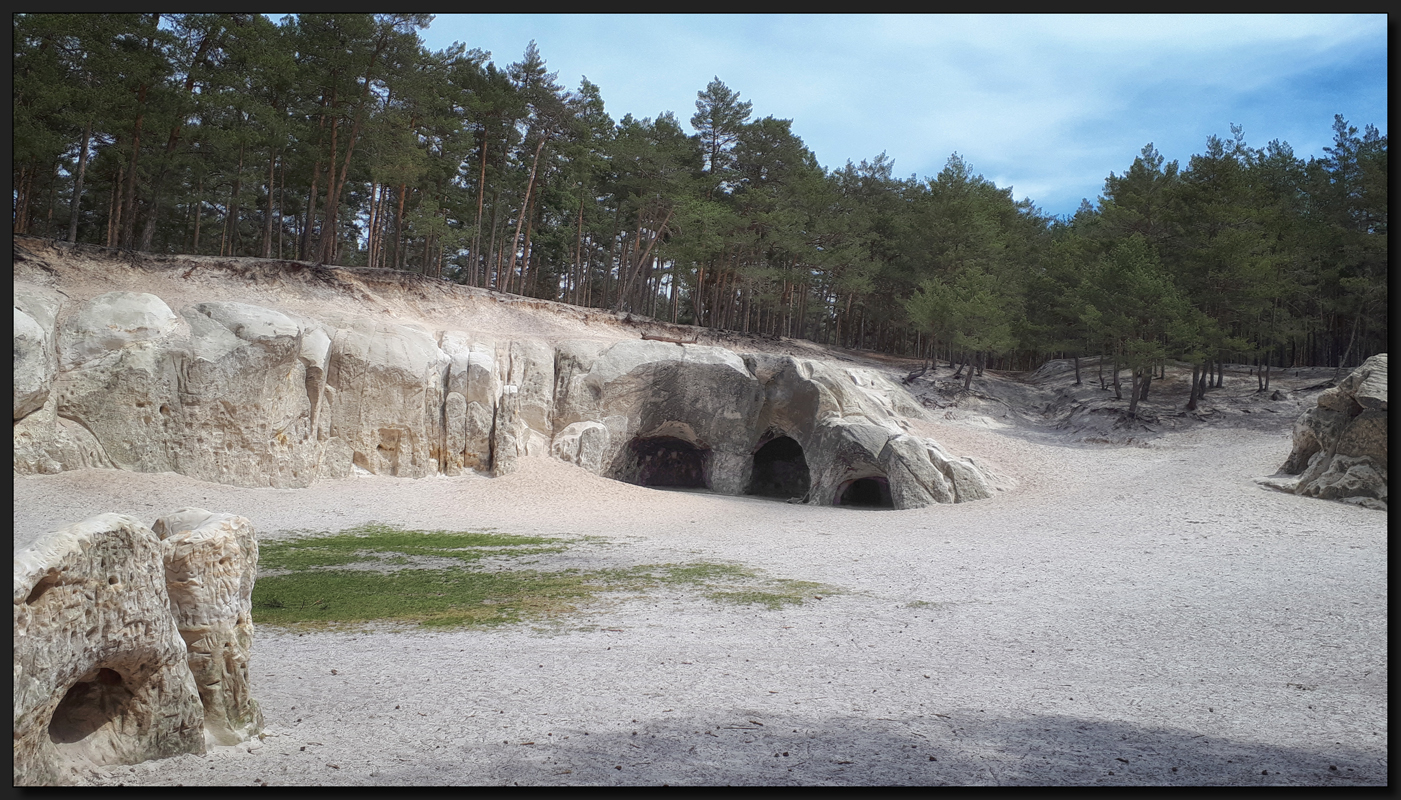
(368, 542)
(781, 592)
(373, 583)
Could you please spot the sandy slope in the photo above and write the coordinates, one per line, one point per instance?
(1126, 615)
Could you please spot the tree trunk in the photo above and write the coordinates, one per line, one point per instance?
(477, 260)
(326, 246)
(1192, 394)
(1117, 394)
(305, 251)
(1133, 391)
(129, 202)
(399, 260)
(525, 203)
(199, 211)
(267, 215)
(231, 219)
(1342, 362)
(75, 209)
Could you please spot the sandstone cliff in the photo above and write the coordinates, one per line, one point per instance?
(323, 377)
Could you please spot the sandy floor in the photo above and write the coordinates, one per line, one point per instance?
(1135, 615)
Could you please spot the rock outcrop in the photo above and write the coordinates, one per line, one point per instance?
(128, 648)
(242, 394)
(1340, 445)
(211, 564)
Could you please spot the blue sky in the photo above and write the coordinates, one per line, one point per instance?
(1048, 105)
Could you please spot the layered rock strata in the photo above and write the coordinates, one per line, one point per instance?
(128, 648)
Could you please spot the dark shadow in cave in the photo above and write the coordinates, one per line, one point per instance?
(780, 470)
(872, 492)
(668, 461)
(93, 702)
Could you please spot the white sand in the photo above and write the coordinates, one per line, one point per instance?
(1124, 613)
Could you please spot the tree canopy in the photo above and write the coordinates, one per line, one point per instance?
(340, 138)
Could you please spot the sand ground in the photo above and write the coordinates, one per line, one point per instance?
(1125, 615)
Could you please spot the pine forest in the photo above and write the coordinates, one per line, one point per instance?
(340, 139)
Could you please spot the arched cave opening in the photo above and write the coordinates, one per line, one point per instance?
(780, 470)
(95, 702)
(669, 461)
(870, 492)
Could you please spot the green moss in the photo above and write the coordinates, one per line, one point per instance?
(366, 574)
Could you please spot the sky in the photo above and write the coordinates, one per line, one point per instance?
(1047, 105)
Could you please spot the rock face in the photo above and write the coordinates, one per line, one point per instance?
(1340, 445)
(119, 639)
(211, 563)
(246, 395)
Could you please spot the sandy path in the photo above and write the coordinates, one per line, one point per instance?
(1127, 615)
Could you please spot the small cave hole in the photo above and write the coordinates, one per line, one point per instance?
(669, 461)
(873, 492)
(43, 586)
(101, 697)
(113, 580)
(780, 470)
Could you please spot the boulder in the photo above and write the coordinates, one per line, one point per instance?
(132, 643)
(35, 364)
(582, 444)
(1340, 445)
(101, 674)
(211, 563)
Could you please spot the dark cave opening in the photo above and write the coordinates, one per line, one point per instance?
(97, 699)
(668, 461)
(872, 492)
(780, 470)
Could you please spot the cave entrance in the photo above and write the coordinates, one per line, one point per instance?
(780, 470)
(97, 702)
(669, 461)
(871, 492)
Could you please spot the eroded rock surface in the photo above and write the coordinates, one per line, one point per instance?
(1340, 447)
(132, 644)
(242, 394)
(211, 563)
(101, 675)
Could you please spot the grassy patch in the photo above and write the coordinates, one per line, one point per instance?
(378, 543)
(368, 574)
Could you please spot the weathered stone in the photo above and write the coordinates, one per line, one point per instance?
(101, 675)
(1367, 383)
(241, 394)
(35, 364)
(211, 563)
(1340, 446)
(582, 444)
(472, 379)
(388, 383)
